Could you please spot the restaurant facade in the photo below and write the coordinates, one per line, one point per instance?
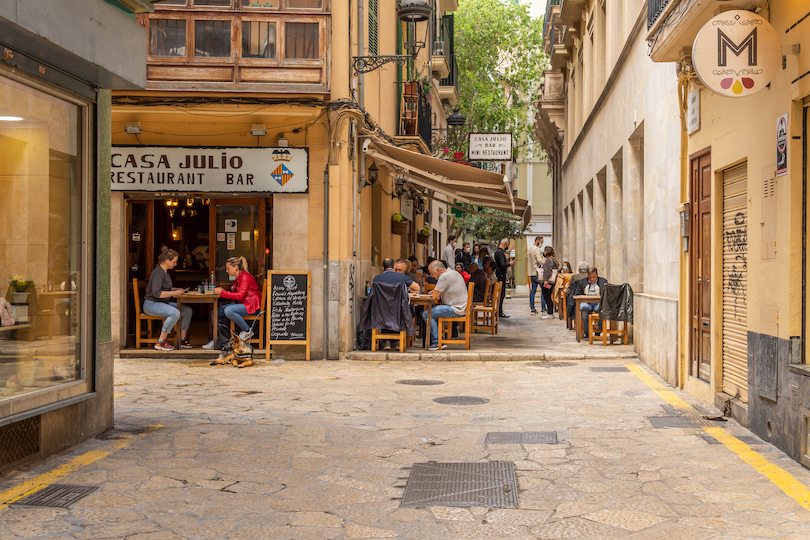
(260, 134)
(56, 353)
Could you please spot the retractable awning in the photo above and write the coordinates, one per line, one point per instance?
(460, 182)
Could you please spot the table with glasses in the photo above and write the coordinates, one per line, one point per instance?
(201, 298)
(579, 300)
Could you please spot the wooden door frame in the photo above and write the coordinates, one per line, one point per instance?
(694, 247)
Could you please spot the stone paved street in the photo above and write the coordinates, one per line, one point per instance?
(319, 450)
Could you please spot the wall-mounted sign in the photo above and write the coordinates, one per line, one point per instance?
(781, 145)
(230, 225)
(215, 170)
(220, 237)
(490, 147)
(736, 53)
(231, 240)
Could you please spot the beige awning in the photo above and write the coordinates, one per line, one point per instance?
(460, 182)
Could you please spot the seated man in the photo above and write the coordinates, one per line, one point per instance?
(403, 267)
(489, 270)
(592, 286)
(450, 289)
(390, 275)
(478, 277)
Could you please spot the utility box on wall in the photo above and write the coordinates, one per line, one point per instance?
(768, 220)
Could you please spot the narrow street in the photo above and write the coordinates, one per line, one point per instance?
(322, 450)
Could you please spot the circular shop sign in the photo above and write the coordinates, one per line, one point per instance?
(736, 53)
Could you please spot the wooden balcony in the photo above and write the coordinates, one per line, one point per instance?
(280, 46)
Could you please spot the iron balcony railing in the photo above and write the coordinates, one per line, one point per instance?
(443, 42)
(654, 10)
(452, 78)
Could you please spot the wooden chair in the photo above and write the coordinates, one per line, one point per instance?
(446, 331)
(429, 287)
(488, 313)
(248, 318)
(377, 336)
(140, 317)
(487, 293)
(609, 330)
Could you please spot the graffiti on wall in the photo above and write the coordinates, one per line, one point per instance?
(735, 243)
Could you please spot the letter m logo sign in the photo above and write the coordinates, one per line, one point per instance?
(724, 44)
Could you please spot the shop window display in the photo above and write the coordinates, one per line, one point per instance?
(41, 181)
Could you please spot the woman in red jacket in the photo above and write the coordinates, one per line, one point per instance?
(248, 300)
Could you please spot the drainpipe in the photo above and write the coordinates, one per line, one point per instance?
(326, 262)
(359, 165)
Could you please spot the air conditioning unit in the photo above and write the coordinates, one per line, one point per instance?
(438, 48)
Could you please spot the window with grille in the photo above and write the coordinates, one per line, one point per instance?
(167, 37)
(258, 39)
(212, 39)
(373, 27)
(302, 40)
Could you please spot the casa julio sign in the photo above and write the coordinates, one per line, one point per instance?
(209, 169)
(736, 53)
(490, 147)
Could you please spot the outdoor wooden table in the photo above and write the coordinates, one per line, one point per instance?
(424, 300)
(200, 298)
(579, 299)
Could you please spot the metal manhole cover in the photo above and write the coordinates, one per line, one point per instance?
(609, 369)
(750, 439)
(491, 484)
(57, 496)
(461, 400)
(710, 440)
(688, 410)
(552, 364)
(679, 422)
(420, 382)
(521, 437)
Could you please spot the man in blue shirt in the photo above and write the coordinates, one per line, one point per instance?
(389, 275)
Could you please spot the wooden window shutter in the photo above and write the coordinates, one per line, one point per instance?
(373, 26)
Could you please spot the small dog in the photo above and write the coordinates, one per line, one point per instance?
(239, 353)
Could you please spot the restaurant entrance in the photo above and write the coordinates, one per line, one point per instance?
(206, 231)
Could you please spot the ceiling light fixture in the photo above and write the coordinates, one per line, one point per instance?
(10, 119)
(258, 130)
(133, 128)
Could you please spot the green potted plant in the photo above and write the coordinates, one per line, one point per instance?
(399, 225)
(19, 286)
(424, 235)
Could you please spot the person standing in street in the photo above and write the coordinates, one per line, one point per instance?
(463, 255)
(502, 263)
(449, 253)
(549, 279)
(534, 262)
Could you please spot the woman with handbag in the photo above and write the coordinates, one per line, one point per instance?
(550, 269)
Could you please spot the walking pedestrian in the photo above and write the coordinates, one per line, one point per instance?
(502, 263)
(550, 268)
(534, 263)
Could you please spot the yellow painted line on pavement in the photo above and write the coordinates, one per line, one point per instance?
(118, 395)
(16, 493)
(776, 474)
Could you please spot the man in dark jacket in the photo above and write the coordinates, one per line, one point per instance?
(591, 286)
(463, 255)
(502, 264)
(390, 275)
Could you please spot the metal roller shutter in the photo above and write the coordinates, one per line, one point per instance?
(735, 282)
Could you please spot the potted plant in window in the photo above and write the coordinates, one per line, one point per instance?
(19, 286)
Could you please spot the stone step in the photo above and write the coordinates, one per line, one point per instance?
(471, 356)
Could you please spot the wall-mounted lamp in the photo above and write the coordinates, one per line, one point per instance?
(408, 11)
(282, 142)
(258, 130)
(133, 128)
(399, 188)
(373, 174)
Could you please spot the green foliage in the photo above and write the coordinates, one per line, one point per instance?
(490, 228)
(499, 51)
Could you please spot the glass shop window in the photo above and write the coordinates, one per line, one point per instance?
(212, 39)
(302, 40)
(167, 37)
(258, 39)
(41, 181)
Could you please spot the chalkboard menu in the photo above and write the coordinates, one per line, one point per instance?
(288, 309)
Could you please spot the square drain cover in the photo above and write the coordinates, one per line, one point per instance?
(709, 439)
(491, 484)
(679, 422)
(57, 496)
(750, 439)
(609, 369)
(521, 437)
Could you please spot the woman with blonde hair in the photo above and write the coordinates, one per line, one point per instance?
(248, 299)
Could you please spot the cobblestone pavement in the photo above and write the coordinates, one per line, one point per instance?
(318, 450)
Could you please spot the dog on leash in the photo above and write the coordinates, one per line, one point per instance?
(239, 353)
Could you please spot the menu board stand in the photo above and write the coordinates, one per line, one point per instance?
(288, 309)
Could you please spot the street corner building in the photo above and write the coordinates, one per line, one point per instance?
(288, 133)
(677, 139)
(56, 350)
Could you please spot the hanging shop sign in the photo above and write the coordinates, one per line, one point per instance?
(736, 53)
(213, 170)
(490, 147)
